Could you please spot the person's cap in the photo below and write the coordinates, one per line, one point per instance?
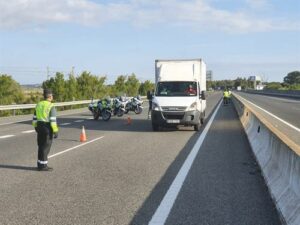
(47, 92)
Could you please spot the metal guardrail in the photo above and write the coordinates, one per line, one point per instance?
(32, 106)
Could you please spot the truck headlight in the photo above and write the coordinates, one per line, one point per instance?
(155, 106)
(193, 106)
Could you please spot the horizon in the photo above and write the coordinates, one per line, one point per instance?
(111, 38)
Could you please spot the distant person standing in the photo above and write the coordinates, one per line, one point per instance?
(44, 122)
(150, 97)
(225, 97)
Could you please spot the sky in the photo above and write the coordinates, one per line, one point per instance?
(236, 38)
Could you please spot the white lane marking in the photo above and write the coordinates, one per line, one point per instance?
(78, 121)
(163, 210)
(70, 149)
(64, 124)
(28, 131)
(7, 136)
(276, 117)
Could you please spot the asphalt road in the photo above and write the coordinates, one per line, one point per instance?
(286, 108)
(287, 111)
(123, 172)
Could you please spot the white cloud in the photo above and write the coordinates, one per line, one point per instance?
(258, 4)
(197, 14)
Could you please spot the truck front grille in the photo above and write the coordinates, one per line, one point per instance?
(173, 116)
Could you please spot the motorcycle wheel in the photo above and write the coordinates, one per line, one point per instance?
(120, 113)
(106, 115)
(138, 110)
(96, 115)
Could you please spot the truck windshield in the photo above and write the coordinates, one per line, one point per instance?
(178, 88)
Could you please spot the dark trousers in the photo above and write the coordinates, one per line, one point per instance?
(44, 140)
(225, 100)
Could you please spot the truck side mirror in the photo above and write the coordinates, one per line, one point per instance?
(202, 95)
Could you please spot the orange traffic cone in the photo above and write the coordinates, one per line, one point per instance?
(128, 120)
(82, 135)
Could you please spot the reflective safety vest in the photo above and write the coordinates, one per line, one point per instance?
(45, 112)
(226, 94)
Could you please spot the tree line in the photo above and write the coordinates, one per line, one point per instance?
(290, 82)
(84, 86)
(88, 86)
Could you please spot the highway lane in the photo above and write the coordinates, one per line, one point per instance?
(98, 160)
(118, 179)
(224, 185)
(286, 110)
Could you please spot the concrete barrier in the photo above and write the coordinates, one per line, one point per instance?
(278, 158)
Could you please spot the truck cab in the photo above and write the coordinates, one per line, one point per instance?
(179, 97)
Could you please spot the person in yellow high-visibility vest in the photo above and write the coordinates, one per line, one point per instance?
(229, 96)
(44, 122)
(225, 97)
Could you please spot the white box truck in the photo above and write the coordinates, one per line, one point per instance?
(179, 97)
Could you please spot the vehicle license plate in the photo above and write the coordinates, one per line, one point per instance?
(173, 121)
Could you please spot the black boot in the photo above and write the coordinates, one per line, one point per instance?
(43, 167)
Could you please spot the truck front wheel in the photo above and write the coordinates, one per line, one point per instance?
(197, 127)
(202, 118)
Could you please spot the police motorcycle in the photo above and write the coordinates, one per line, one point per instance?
(118, 107)
(103, 109)
(92, 106)
(135, 105)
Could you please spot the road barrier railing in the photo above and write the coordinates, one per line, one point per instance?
(279, 160)
(15, 107)
(31, 106)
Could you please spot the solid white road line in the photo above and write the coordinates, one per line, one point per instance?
(64, 124)
(78, 121)
(276, 117)
(70, 149)
(7, 136)
(28, 131)
(162, 212)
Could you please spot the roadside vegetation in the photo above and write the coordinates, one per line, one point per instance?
(89, 86)
(83, 87)
(290, 82)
